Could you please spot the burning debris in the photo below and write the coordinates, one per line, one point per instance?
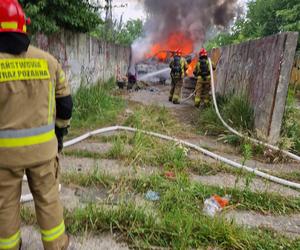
(173, 25)
(181, 24)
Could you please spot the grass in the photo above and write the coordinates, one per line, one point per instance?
(235, 110)
(291, 125)
(177, 229)
(176, 221)
(292, 176)
(196, 193)
(96, 178)
(154, 118)
(202, 168)
(143, 150)
(180, 227)
(238, 114)
(84, 154)
(28, 216)
(96, 106)
(263, 202)
(150, 151)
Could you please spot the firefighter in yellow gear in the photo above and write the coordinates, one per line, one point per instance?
(203, 75)
(35, 111)
(178, 67)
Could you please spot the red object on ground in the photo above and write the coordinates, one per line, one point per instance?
(222, 201)
(170, 175)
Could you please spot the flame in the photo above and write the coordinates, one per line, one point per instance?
(192, 66)
(174, 42)
(177, 40)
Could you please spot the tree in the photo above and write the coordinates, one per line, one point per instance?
(119, 33)
(290, 17)
(264, 17)
(269, 17)
(49, 16)
(225, 38)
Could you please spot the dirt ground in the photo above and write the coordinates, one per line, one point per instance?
(73, 196)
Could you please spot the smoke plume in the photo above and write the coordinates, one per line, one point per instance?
(193, 18)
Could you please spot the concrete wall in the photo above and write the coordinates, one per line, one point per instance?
(261, 71)
(85, 59)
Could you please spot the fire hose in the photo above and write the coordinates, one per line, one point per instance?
(187, 144)
(28, 197)
(272, 147)
(189, 97)
(255, 141)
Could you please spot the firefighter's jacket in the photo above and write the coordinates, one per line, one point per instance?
(34, 98)
(184, 67)
(202, 71)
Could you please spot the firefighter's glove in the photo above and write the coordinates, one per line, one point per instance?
(60, 133)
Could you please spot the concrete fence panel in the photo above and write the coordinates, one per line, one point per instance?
(259, 70)
(85, 59)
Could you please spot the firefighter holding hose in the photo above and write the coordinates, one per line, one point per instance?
(178, 71)
(203, 75)
(35, 111)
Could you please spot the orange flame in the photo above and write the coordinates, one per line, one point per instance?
(192, 66)
(175, 41)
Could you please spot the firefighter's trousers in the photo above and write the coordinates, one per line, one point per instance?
(175, 93)
(202, 91)
(44, 185)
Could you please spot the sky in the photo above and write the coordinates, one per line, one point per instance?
(134, 9)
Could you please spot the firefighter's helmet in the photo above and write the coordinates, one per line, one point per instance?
(12, 17)
(203, 52)
(178, 52)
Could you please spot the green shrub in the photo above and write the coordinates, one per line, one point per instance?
(96, 105)
(238, 113)
(290, 131)
(235, 110)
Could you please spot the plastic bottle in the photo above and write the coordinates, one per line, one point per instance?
(215, 204)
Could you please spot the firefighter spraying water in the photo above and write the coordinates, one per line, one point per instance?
(178, 67)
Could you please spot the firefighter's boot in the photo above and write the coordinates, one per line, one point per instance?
(197, 102)
(176, 99)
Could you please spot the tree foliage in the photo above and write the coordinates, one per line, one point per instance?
(119, 33)
(264, 17)
(49, 16)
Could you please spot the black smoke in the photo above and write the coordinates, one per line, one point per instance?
(192, 17)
